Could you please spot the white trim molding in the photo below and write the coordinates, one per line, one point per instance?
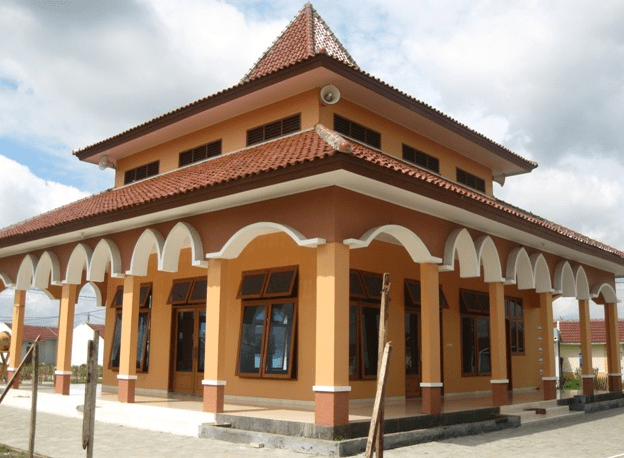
(549, 379)
(126, 377)
(62, 373)
(614, 375)
(587, 376)
(331, 389)
(431, 384)
(499, 382)
(214, 382)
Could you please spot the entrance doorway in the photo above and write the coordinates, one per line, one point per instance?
(189, 345)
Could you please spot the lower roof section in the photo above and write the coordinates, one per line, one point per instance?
(305, 161)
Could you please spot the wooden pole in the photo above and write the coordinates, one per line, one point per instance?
(33, 409)
(88, 423)
(17, 372)
(383, 326)
(381, 388)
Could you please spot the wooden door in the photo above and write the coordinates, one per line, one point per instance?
(189, 342)
(413, 366)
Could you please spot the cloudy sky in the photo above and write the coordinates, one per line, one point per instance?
(545, 79)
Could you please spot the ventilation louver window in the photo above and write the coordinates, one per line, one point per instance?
(142, 172)
(357, 131)
(200, 153)
(274, 130)
(471, 180)
(424, 160)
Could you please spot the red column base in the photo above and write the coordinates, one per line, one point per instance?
(588, 386)
(615, 383)
(126, 389)
(500, 395)
(550, 389)
(432, 400)
(61, 384)
(213, 398)
(331, 408)
(16, 383)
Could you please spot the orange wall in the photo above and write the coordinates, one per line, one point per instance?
(233, 133)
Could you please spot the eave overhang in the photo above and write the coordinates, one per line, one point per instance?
(341, 170)
(314, 72)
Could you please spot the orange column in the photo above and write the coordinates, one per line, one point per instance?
(430, 324)
(216, 310)
(129, 334)
(62, 375)
(331, 389)
(613, 348)
(586, 350)
(498, 344)
(17, 334)
(549, 378)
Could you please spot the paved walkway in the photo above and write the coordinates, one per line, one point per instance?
(59, 435)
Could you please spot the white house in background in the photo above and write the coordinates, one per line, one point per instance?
(82, 334)
(47, 342)
(571, 344)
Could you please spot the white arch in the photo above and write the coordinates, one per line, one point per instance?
(106, 252)
(582, 285)
(394, 233)
(237, 243)
(79, 261)
(97, 292)
(48, 271)
(460, 242)
(487, 256)
(8, 283)
(26, 273)
(174, 244)
(149, 240)
(564, 280)
(541, 273)
(519, 269)
(608, 293)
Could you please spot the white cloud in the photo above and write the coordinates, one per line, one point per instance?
(25, 195)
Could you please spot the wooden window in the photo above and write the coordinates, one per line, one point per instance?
(188, 291)
(470, 180)
(514, 313)
(200, 153)
(269, 323)
(412, 343)
(142, 172)
(364, 310)
(475, 333)
(412, 295)
(143, 339)
(357, 131)
(274, 130)
(422, 159)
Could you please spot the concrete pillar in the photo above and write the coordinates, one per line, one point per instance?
(586, 348)
(549, 378)
(17, 335)
(129, 333)
(62, 375)
(430, 325)
(331, 389)
(216, 309)
(498, 344)
(613, 348)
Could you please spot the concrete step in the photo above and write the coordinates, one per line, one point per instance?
(538, 411)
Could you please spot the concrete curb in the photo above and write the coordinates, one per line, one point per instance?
(354, 446)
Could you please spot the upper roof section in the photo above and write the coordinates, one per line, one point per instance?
(306, 56)
(306, 35)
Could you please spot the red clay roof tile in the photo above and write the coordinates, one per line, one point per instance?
(311, 145)
(571, 331)
(305, 36)
(31, 332)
